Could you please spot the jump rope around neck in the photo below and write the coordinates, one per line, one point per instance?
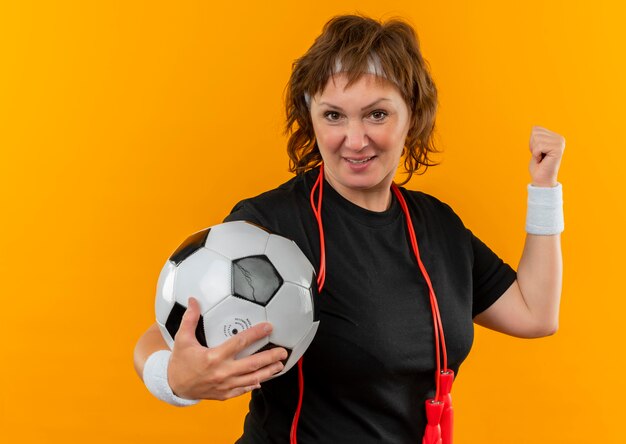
(439, 413)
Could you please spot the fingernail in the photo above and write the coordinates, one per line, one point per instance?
(267, 328)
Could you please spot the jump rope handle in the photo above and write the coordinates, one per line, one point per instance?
(432, 433)
(447, 416)
(439, 414)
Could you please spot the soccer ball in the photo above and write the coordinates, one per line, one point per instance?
(241, 275)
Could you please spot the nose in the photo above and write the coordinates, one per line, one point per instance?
(356, 135)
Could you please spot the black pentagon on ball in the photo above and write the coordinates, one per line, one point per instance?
(270, 346)
(314, 296)
(255, 279)
(175, 317)
(192, 244)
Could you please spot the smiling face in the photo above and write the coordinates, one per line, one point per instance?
(360, 132)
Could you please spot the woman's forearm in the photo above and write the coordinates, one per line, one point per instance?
(147, 344)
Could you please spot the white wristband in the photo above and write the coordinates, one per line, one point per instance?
(544, 214)
(155, 378)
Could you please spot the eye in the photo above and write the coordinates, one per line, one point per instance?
(332, 116)
(379, 115)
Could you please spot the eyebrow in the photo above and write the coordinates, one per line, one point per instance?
(364, 108)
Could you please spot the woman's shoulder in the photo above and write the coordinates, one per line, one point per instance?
(269, 207)
(428, 202)
(284, 194)
(437, 216)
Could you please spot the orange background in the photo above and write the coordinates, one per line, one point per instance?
(126, 126)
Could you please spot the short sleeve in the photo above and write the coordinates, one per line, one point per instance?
(491, 276)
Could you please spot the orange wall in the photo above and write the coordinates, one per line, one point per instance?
(125, 126)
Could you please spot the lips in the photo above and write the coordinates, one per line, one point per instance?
(358, 161)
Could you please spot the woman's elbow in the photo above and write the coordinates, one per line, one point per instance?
(544, 329)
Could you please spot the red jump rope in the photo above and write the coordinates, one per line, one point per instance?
(439, 413)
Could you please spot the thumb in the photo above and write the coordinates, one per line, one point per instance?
(189, 322)
(538, 156)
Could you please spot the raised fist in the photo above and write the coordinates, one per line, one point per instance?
(546, 148)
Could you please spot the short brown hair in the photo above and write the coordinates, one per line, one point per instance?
(352, 40)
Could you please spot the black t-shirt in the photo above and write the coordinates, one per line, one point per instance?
(371, 365)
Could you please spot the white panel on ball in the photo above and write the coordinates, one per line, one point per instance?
(237, 239)
(289, 260)
(291, 313)
(205, 275)
(166, 335)
(231, 317)
(165, 292)
(300, 348)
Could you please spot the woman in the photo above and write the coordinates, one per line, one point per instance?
(360, 100)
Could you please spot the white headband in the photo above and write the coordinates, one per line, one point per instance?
(373, 67)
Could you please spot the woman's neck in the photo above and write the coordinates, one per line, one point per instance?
(377, 200)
